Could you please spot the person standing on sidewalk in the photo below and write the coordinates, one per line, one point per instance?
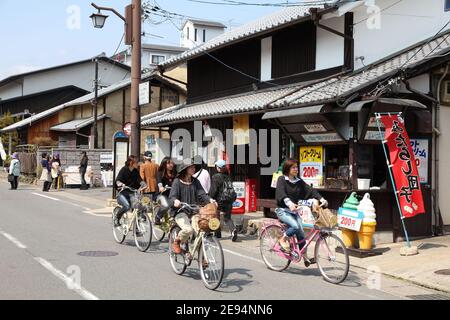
(14, 171)
(56, 170)
(201, 174)
(83, 167)
(223, 192)
(46, 173)
(149, 172)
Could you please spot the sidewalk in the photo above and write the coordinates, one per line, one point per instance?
(434, 255)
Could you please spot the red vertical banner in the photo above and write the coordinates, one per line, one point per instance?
(404, 169)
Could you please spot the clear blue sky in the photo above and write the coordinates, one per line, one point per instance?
(35, 34)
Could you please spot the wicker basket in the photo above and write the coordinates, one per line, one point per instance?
(325, 218)
(205, 215)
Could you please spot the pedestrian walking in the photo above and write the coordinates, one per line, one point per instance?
(202, 174)
(14, 172)
(149, 173)
(83, 167)
(56, 170)
(223, 192)
(46, 172)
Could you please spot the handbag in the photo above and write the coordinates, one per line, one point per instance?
(10, 178)
(275, 177)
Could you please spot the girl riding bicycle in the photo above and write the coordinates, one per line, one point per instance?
(291, 189)
(166, 176)
(187, 189)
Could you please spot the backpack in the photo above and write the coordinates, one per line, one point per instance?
(228, 194)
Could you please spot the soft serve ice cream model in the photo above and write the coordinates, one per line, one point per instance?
(369, 223)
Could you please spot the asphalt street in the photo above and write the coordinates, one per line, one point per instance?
(41, 236)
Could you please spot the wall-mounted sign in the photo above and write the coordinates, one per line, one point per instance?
(127, 129)
(106, 157)
(324, 137)
(374, 135)
(144, 93)
(311, 165)
(315, 127)
(420, 150)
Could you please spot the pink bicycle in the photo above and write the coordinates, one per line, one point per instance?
(329, 252)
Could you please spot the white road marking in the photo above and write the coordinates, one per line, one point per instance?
(13, 240)
(67, 280)
(243, 256)
(41, 195)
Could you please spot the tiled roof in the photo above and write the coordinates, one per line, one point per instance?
(277, 19)
(77, 124)
(305, 95)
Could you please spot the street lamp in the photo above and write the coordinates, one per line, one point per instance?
(133, 32)
(98, 19)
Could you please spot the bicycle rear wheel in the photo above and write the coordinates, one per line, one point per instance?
(211, 262)
(177, 261)
(268, 240)
(158, 232)
(142, 231)
(119, 237)
(332, 258)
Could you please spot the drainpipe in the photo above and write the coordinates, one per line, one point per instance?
(436, 133)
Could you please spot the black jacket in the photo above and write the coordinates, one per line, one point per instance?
(294, 191)
(217, 188)
(131, 179)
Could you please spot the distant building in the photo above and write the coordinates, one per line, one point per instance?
(152, 55)
(197, 32)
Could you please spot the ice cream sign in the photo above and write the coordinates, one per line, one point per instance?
(311, 165)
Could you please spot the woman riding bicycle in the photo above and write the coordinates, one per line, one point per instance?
(291, 189)
(128, 176)
(166, 176)
(187, 189)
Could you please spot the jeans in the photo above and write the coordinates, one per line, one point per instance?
(124, 201)
(83, 181)
(293, 221)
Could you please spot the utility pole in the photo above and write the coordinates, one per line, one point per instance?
(95, 104)
(135, 114)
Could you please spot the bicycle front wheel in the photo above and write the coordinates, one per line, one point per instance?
(268, 241)
(119, 237)
(158, 232)
(332, 258)
(177, 261)
(142, 231)
(211, 262)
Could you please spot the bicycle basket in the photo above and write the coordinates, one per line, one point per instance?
(135, 201)
(207, 218)
(325, 218)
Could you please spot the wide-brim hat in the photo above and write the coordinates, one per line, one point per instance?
(184, 165)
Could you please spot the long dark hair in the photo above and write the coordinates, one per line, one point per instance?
(162, 170)
(130, 159)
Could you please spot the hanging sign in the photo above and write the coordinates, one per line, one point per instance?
(311, 165)
(404, 168)
(241, 132)
(324, 137)
(144, 93)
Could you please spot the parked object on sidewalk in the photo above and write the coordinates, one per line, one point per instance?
(365, 234)
(349, 236)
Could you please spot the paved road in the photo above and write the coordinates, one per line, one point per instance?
(42, 234)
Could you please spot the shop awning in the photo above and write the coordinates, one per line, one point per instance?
(293, 112)
(75, 125)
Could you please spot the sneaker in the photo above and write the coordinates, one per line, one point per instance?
(308, 261)
(176, 246)
(234, 235)
(116, 223)
(218, 234)
(157, 221)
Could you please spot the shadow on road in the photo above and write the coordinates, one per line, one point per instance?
(233, 281)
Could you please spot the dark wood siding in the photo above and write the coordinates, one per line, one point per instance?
(294, 50)
(209, 78)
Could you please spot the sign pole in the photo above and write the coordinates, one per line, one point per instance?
(378, 116)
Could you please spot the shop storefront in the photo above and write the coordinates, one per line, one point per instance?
(340, 151)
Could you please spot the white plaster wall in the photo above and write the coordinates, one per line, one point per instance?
(266, 59)
(80, 75)
(444, 168)
(211, 32)
(330, 47)
(398, 27)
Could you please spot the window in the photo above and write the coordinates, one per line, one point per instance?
(156, 59)
(204, 35)
(187, 33)
(195, 35)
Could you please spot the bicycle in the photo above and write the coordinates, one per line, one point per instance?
(159, 231)
(138, 221)
(329, 248)
(208, 249)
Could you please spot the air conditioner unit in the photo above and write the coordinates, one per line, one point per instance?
(445, 92)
